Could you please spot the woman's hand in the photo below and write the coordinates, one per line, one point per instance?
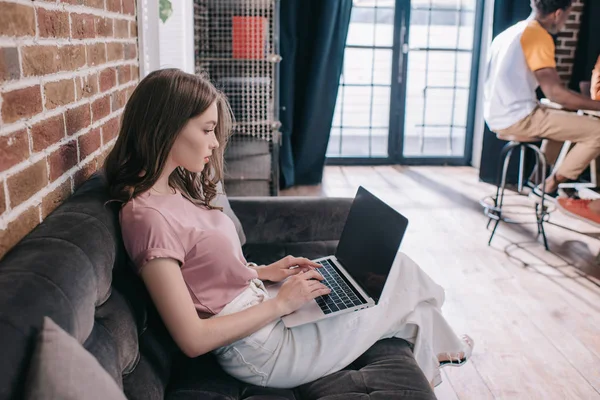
(299, 290)
(284, 268)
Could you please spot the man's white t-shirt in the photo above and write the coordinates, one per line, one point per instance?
(510, 84)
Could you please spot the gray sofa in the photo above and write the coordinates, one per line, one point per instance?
(73, 269)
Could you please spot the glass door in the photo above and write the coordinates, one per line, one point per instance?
(441, 81)
(406, 94)
(361, 124)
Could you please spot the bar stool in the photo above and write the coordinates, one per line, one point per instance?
(493, 204)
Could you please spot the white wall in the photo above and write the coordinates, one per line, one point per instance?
(486, 37)
(176, 37)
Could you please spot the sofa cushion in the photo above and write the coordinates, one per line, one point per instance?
(386, 371)
(61, 369)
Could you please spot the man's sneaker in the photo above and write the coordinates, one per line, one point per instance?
(580, 209)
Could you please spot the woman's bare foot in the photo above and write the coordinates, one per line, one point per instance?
(458, 359)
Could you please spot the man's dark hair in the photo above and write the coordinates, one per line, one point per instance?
(545, 7)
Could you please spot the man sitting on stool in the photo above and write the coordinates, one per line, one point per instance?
(521, 59)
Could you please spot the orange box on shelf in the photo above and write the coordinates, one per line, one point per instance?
(249, 37)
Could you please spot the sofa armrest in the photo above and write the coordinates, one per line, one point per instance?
(291, 219)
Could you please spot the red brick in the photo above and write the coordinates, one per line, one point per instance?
(14, 148)
(62, 160)
(563, 51)
(47, 132)
(124, 73)
(130, 51)
(77, 119)
(108, 79)
(96, 53)
(135, 73)
(132, 29)
(21, 103)
(87, 86)
(59, 93)
(114, 51)
(100, 108)
(82, 26)
(17, 20)
(84, 173)
(26, 183)
(71, 57)
(2, 199)
(129, 7)
(89, 143)
(42, 60)
(100, 159)
(17, 229)
(564, 34)
(52, 23)
(118, 99)
(113, 5)
(130, 91)
(55, 198)
(94, 3)
(110, 130)
(9, 64)
(104, 26)
(121, 28)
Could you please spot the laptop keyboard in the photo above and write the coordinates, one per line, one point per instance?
(341, 297)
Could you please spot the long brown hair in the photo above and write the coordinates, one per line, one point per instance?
(160, 106)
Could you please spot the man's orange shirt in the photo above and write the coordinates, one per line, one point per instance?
(595, 89)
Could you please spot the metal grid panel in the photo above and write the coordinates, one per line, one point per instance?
(236, 48)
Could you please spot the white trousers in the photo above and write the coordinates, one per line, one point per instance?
(280, 357)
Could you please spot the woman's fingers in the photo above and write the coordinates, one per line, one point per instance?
(311, 274)
(320, 292)
(302, 262)
(315, 285)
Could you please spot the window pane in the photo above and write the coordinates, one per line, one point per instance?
(355, 142)
(357, 66)
(380, 112)
(357, 103)
(382, 67)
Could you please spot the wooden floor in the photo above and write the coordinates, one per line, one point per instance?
(534, 315)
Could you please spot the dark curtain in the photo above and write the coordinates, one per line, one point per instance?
(312, 39)
(588, 44)
(506, 14)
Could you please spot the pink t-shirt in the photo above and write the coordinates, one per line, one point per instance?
(204, 242)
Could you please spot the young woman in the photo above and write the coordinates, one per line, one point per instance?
(164, 169)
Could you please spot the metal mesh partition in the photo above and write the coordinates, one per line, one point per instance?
(236, 46)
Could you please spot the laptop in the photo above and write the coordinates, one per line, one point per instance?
(357, 273)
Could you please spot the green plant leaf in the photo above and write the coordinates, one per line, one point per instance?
(165, 10)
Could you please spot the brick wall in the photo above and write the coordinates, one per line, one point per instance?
(67, 68)
(567, 42)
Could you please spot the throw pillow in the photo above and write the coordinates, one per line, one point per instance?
(62, 369)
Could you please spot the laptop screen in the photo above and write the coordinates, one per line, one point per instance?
(370, 241)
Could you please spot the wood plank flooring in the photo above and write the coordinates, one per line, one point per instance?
(534, 314)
